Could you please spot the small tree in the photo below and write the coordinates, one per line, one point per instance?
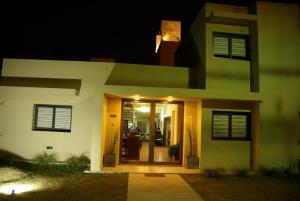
(109, 157)
(111, 141)
(192, 158)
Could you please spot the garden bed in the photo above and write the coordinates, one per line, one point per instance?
(252, 188)
(32, 186)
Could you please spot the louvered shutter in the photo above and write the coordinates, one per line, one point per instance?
(63, 118)
(44, 117)
(220, 125)
(238, 47)
(238, 126)
(221, 45)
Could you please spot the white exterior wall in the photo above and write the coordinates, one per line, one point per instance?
(16, 112)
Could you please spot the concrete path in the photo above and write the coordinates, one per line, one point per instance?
(159, 187)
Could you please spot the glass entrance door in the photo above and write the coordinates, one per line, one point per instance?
(151, 132)
(167, 133)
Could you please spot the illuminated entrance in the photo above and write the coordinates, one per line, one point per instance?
(151, 132)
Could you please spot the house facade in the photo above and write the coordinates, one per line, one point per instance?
(238, 92)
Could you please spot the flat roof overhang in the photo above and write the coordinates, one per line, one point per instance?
(41, 82)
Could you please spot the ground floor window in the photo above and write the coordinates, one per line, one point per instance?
(52, 118)
(227, 125)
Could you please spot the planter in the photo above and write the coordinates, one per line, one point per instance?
(192, 162)
(109, 160)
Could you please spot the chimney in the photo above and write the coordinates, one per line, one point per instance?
(167, 42)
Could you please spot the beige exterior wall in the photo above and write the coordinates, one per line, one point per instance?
(148, 75)
(192, 117)
(279, 69)
(225, 73)
(221, 153)
(112, 123)
(279, 73)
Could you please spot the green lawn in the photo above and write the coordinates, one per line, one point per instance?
(74, 187)
(253, 188)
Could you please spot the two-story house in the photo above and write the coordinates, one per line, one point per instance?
(237, 92)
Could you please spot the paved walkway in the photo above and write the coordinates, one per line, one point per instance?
(159, 187)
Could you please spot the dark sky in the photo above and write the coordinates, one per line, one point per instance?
(79, 31)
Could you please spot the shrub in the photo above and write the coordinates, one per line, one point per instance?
(278, 172)
(78, 162)
(241, 172)
(270, 172)
(214, 172)
(45, 158)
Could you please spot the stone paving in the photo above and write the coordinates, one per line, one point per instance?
(159, 187)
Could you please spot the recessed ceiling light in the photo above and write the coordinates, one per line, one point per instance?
(170, 99)
(136, 97)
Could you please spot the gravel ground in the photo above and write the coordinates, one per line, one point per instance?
(11, 174)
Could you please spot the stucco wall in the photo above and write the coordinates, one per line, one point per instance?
(16, 112)
(17, 136)
(148, 75)
(225, 73)
(221, 153)
(279, 70)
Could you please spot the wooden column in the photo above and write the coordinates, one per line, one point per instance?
(151, 136)
(254, 150)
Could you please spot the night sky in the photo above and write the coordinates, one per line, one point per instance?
(80, 31)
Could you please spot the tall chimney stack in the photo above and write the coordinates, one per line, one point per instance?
(167, 42)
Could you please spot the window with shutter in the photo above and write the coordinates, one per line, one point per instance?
(230, 125)
(52, 118)
(221, 46)
(230, 45)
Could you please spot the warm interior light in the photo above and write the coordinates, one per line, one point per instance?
(143, 109)
(158, 41)
(18, 188)
(170, 99)
(169, 37)
(136, 98)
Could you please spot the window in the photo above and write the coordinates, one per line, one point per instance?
(230, 45)
(52, 118)
(230, 125)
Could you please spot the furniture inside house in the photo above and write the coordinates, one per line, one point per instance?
(124, 147)
(133, 147)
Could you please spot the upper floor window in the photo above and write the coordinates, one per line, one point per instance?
(231, 45)
(52, 118)
(230, 125)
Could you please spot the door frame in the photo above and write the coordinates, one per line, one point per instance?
(151, 134)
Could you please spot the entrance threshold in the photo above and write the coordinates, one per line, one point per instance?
(149, 169)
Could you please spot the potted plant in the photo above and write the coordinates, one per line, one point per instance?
(109, 157)
(192, 158)
(174, 151)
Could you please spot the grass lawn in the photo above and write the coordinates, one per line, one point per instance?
(75, 187)
(253, 188)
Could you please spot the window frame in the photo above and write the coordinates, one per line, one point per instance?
(35, 117)
(229, 114)
(230, 36)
